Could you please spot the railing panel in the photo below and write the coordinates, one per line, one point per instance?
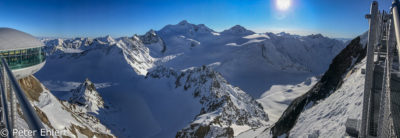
(17, 95)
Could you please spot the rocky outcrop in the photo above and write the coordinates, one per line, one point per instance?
(153, 41)
(223, 105)
(61, 115)
(331, 80)
(32, 87)
(87, 96)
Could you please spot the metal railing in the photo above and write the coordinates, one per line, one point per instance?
(11, 94)
(385, 121)
(372, 35)
(384, 28)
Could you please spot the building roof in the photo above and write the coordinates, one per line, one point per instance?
(11, 39)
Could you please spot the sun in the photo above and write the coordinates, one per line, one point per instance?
(283, 5)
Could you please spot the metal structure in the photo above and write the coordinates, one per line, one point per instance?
(11, 96)
(23, 52)
(21, 55)
(381, 106)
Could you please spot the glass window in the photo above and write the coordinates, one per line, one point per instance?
(17, 59)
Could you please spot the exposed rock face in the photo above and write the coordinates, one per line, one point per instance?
(32, 87)
(153, 41)
(224, 106)
(87, 96)
(330, 81)
(136, 54)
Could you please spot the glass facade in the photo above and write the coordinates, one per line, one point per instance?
(24, 58)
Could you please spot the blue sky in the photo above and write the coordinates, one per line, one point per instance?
(93, 18)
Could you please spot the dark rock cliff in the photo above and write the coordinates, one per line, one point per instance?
(331, 80)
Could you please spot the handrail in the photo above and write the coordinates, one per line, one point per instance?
(396, 19)
(4, 104)
(29, 113)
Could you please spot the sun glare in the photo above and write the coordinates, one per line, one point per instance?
(283, 5)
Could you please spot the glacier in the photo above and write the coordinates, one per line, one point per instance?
(137, 77)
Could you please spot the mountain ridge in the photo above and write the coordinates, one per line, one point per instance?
(245, 65)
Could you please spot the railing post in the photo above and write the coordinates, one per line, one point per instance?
(396, 19)
(372, 36)
(13, 107)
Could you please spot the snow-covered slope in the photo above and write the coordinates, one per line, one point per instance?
(330, 82)
(277, 99)
(202, 81)
(56, 114)
(132, 49)
(328, 117)
(246, 59)
(226, 110)
(115, 67)
(321, 109)
(136, 54)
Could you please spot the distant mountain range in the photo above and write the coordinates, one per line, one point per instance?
(184, 80)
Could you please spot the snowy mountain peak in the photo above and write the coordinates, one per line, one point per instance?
(237, 29)
(87, 95)
(150, 37)
(184, 22)
(88, 82)
(105, 40)
(315, 36)
(151, 32)
(283, 34)
(54, 42)
(154, 42)
(109, 37)
(187, 29)
(135, 37)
